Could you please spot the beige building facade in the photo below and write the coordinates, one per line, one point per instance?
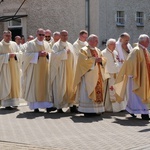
(105, 18)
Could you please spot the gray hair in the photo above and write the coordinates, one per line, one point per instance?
(124, 35)
(56, 33)
(7, 32)
(143, 37)
(91, 37)
(110, 41)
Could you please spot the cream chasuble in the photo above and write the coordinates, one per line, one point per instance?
(62, 74)
(10, 71)
(36, 72)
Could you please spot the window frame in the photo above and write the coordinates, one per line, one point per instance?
(139, 19)
(120, 18)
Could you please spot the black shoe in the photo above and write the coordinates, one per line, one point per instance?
(90, 114)
(36, 110)
(50, 109)
(73, 109)
(133, 115)
(15, 107)
(8, 108)
(145, 116)
(60, 111)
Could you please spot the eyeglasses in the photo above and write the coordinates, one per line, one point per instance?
(47, 36)
(41, 35)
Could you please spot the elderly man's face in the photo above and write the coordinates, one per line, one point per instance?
(64, 36)
(56, 37)
(146, 43)
(7, 37)
(93, 42)
(112, 46)
(125, 40)
(47, 36)
(41, 35)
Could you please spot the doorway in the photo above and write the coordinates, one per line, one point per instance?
(15, 32)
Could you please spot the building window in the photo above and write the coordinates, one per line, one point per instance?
(15, 26)
(140, 19)
(15, 23)
(120, 18)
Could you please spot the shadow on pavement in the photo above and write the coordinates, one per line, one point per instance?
(111, 114)
(130, 121)
(29, 115)
(145, 130)
(53, 115)
(4, 111)
(82, 119)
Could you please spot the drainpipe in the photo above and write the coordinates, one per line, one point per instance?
(87, 15)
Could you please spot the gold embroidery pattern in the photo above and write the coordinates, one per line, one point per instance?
(98, 88)
(147, 58)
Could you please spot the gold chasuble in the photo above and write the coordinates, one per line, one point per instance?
(94, 73)
(41, 76)
(137, 65)
(15, 79)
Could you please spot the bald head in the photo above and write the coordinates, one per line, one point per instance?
(93, 40)
(64, 35)
(7, 36)
(124, 38)
(48, 35)
(40, 34)
(18, 40)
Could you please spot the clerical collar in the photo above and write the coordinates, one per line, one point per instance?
(6, 42)
(82, 43)
(40, 42)
(109, 50)
(63, 43)
(92, 48)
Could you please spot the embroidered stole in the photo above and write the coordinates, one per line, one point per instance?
(98, 88)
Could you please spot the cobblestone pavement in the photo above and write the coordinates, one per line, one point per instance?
(24, 130)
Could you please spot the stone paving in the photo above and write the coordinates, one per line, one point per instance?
(24, 130)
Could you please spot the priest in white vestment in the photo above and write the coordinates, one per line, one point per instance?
(112, 68)
(10, 59)
(36, 73)
(48, 37)
(89, 78)
(123, 47)
(56, 37)
(79, 43)
(62, 73)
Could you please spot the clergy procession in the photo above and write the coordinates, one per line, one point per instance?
(50, 73)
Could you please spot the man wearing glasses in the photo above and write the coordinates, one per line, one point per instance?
(35, 73)
(48, 37)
